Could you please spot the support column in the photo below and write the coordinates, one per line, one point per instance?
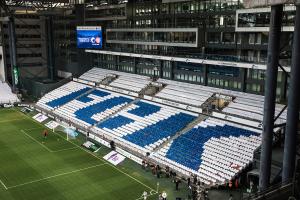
(243, 77)
(12, 52)
(85, 60)
(50, 46)
(270, 96)
(293, 106)
(173, 66)
(117, 63)
(135, 65)
(205, 72)
(161, 68)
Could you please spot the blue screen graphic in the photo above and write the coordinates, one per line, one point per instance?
(89, 37)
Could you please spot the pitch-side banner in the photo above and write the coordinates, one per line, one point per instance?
(52, 124)
(114, 158)
(89, 37)
(40, 117)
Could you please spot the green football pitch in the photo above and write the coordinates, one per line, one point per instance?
(33, 167)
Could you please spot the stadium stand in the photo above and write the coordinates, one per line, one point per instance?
(146, 125)
(95, 75)
(131, 83)
(184, 93)
(215, 150)
(6, 96)
(62, 95)
(252, 109)
(92, 107)
(244, 105)
(126, 81)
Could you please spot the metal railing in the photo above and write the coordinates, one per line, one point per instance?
(195, 55)
(273, 190)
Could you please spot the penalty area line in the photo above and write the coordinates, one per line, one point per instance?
(51, 151)
(11, 120)
(66, 149)
(138, 181)
(30, 129)
(94, 156)
(37, 141)
(54, 176)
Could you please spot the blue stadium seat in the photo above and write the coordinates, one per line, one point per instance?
(115, 122)
(65, 99)
(86, 113)
(162, 129)
(144, 109)
(97, 92)
(188, 148)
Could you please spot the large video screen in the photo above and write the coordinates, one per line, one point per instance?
(89, 37)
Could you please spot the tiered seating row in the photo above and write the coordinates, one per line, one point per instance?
(162, 129)
(94, 75)
(253, 110)
(146, 124)
(126, 81)
(93, 107)
(185, 95)
(216, 149)
(130, 83)
(62, 95)
(244, 105)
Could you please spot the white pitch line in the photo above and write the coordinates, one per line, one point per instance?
(3, 184)
(11, 120)
(113, 166)
(30, 129)
(66, 149)
(51, 151)
(36, 141)
(54, 176)
(95, 156)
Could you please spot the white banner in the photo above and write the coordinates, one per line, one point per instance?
(40, 117)
(52, 124)
(129, 155)
(114, 158)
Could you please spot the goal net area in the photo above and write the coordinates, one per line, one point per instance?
(56, 127)
(69, 131)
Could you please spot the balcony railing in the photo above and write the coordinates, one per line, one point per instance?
(188, 54)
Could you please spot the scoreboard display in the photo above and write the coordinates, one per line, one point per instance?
(89, 37)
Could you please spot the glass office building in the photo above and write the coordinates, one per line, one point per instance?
(209, 42)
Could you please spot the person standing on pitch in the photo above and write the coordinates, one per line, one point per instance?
(45, 133)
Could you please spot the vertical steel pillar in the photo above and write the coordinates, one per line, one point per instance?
(270, 96)
(161, 62)
(205, 74)
(243, 77)
(172, 69)
(84, 60)
(293, 106)
(13, 50)
(50, 46)
(135, 60)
